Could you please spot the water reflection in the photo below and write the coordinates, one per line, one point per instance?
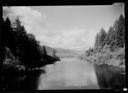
(24, 81)
(70, 73)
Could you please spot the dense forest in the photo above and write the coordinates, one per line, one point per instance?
(21, 52)
(109, 47)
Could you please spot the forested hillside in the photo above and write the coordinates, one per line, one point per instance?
(21, 52)
(109, 47)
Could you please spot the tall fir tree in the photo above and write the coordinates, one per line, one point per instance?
(119, 27)
(100, 40)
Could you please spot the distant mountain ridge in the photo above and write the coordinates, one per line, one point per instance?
(62, 53)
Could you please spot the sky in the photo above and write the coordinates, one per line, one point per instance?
(69, 27)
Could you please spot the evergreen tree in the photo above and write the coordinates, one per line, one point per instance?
(8, 36)
(119, 27)
(100, 40)
(116, 34)
(97, 41)
(24, 45)
(102, 37)
(44, 51)
(110, 36)
(89, 52)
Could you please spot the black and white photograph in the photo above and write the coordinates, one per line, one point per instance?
(64, 47)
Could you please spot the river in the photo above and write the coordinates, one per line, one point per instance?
(69, 73)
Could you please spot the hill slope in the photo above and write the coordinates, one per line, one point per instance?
(63, 53)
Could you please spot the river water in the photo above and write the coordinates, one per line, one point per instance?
(69, 73)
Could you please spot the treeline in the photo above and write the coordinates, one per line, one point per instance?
(21, 51)
(109, 47)
(24, 46)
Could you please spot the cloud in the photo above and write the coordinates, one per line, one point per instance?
(79, 39)
(31, 19)
(35, 23)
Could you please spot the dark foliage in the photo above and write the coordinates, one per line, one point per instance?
(115, 37)
(89, 52)
(100, 40)
(48, 57)
(109, 56)
(112, 40)
(24, 45)
(22, 52)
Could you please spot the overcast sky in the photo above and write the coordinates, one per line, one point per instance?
(73, 27)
